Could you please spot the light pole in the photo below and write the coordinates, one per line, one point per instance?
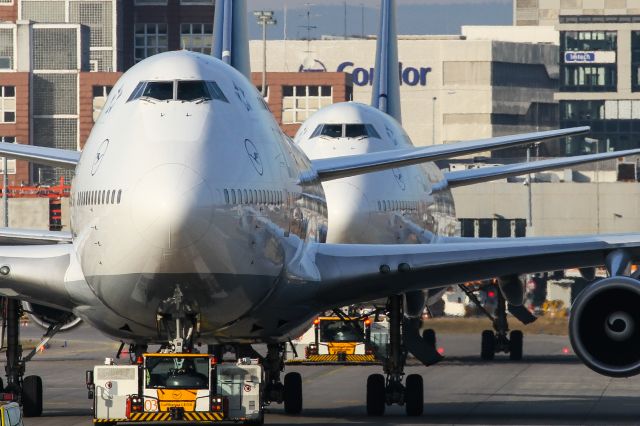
(264, 18)
(433, 120)
(596, 143)
(530, 231)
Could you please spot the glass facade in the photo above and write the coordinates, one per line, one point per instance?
(594, 68)
(589, 78)
(588, 41)
(613, 125)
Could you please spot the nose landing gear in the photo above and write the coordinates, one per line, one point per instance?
(289, 392)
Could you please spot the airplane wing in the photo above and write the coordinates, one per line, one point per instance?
(484, 174)
(38, 154)
(14, 236)
(340, 167)
(352, 273)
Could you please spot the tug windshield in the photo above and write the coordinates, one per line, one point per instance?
(177, 372)
(341, 331)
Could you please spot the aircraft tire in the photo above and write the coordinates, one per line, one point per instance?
(32, 396)
(376, 399)
(292, 393)
(515, 345)
(414, 395)
(488, 346)
(429, 336)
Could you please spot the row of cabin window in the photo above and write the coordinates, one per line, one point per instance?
(252, 196)
(91, 198)
(391, 205)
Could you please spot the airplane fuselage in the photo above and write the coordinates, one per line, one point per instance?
(404, 205)
(176, 192)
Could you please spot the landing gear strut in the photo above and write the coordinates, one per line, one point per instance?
(381, 390)
(499, 339)
(27, 390)
(180, 321)
(289, 393)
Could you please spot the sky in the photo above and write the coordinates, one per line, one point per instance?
(414, 16)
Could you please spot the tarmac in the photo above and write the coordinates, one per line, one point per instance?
(549, 386)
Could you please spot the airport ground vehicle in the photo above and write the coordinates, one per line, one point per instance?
(163, 387)
(341, 339)
(10, 414)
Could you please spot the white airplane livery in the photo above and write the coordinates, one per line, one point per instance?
(409, 205)
(194, 219)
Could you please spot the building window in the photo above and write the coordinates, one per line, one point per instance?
(614, 124)
(197, 2)
(588, 78)
(100, 94)
(635, 61)
(581, 111)
(582, 41)
(197, 37)
(149, 40)
(300, 102)
(150, 2)
(6, 48)
(7, 104)
(11, 164)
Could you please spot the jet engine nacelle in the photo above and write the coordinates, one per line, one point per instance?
(45, 316)
(605, 326)
(512, 289)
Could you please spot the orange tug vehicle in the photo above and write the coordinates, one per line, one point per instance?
(338, 340)
(176, 387)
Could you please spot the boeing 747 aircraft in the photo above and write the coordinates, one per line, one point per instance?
(411, 204)
(194, 219)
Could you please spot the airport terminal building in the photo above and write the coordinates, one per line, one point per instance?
(599, 67)
(453, 87)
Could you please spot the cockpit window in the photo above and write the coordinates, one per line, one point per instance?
(371, 131)
(332, 130)
(193, 90)
(137, 92)
(216, 92)
(186, 91)
(345, 130)
(355, 130)
(160, 90)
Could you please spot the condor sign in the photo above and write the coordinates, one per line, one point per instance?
(363, 77)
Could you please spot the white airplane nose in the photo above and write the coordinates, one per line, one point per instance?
(349, 219)
(172, 206)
